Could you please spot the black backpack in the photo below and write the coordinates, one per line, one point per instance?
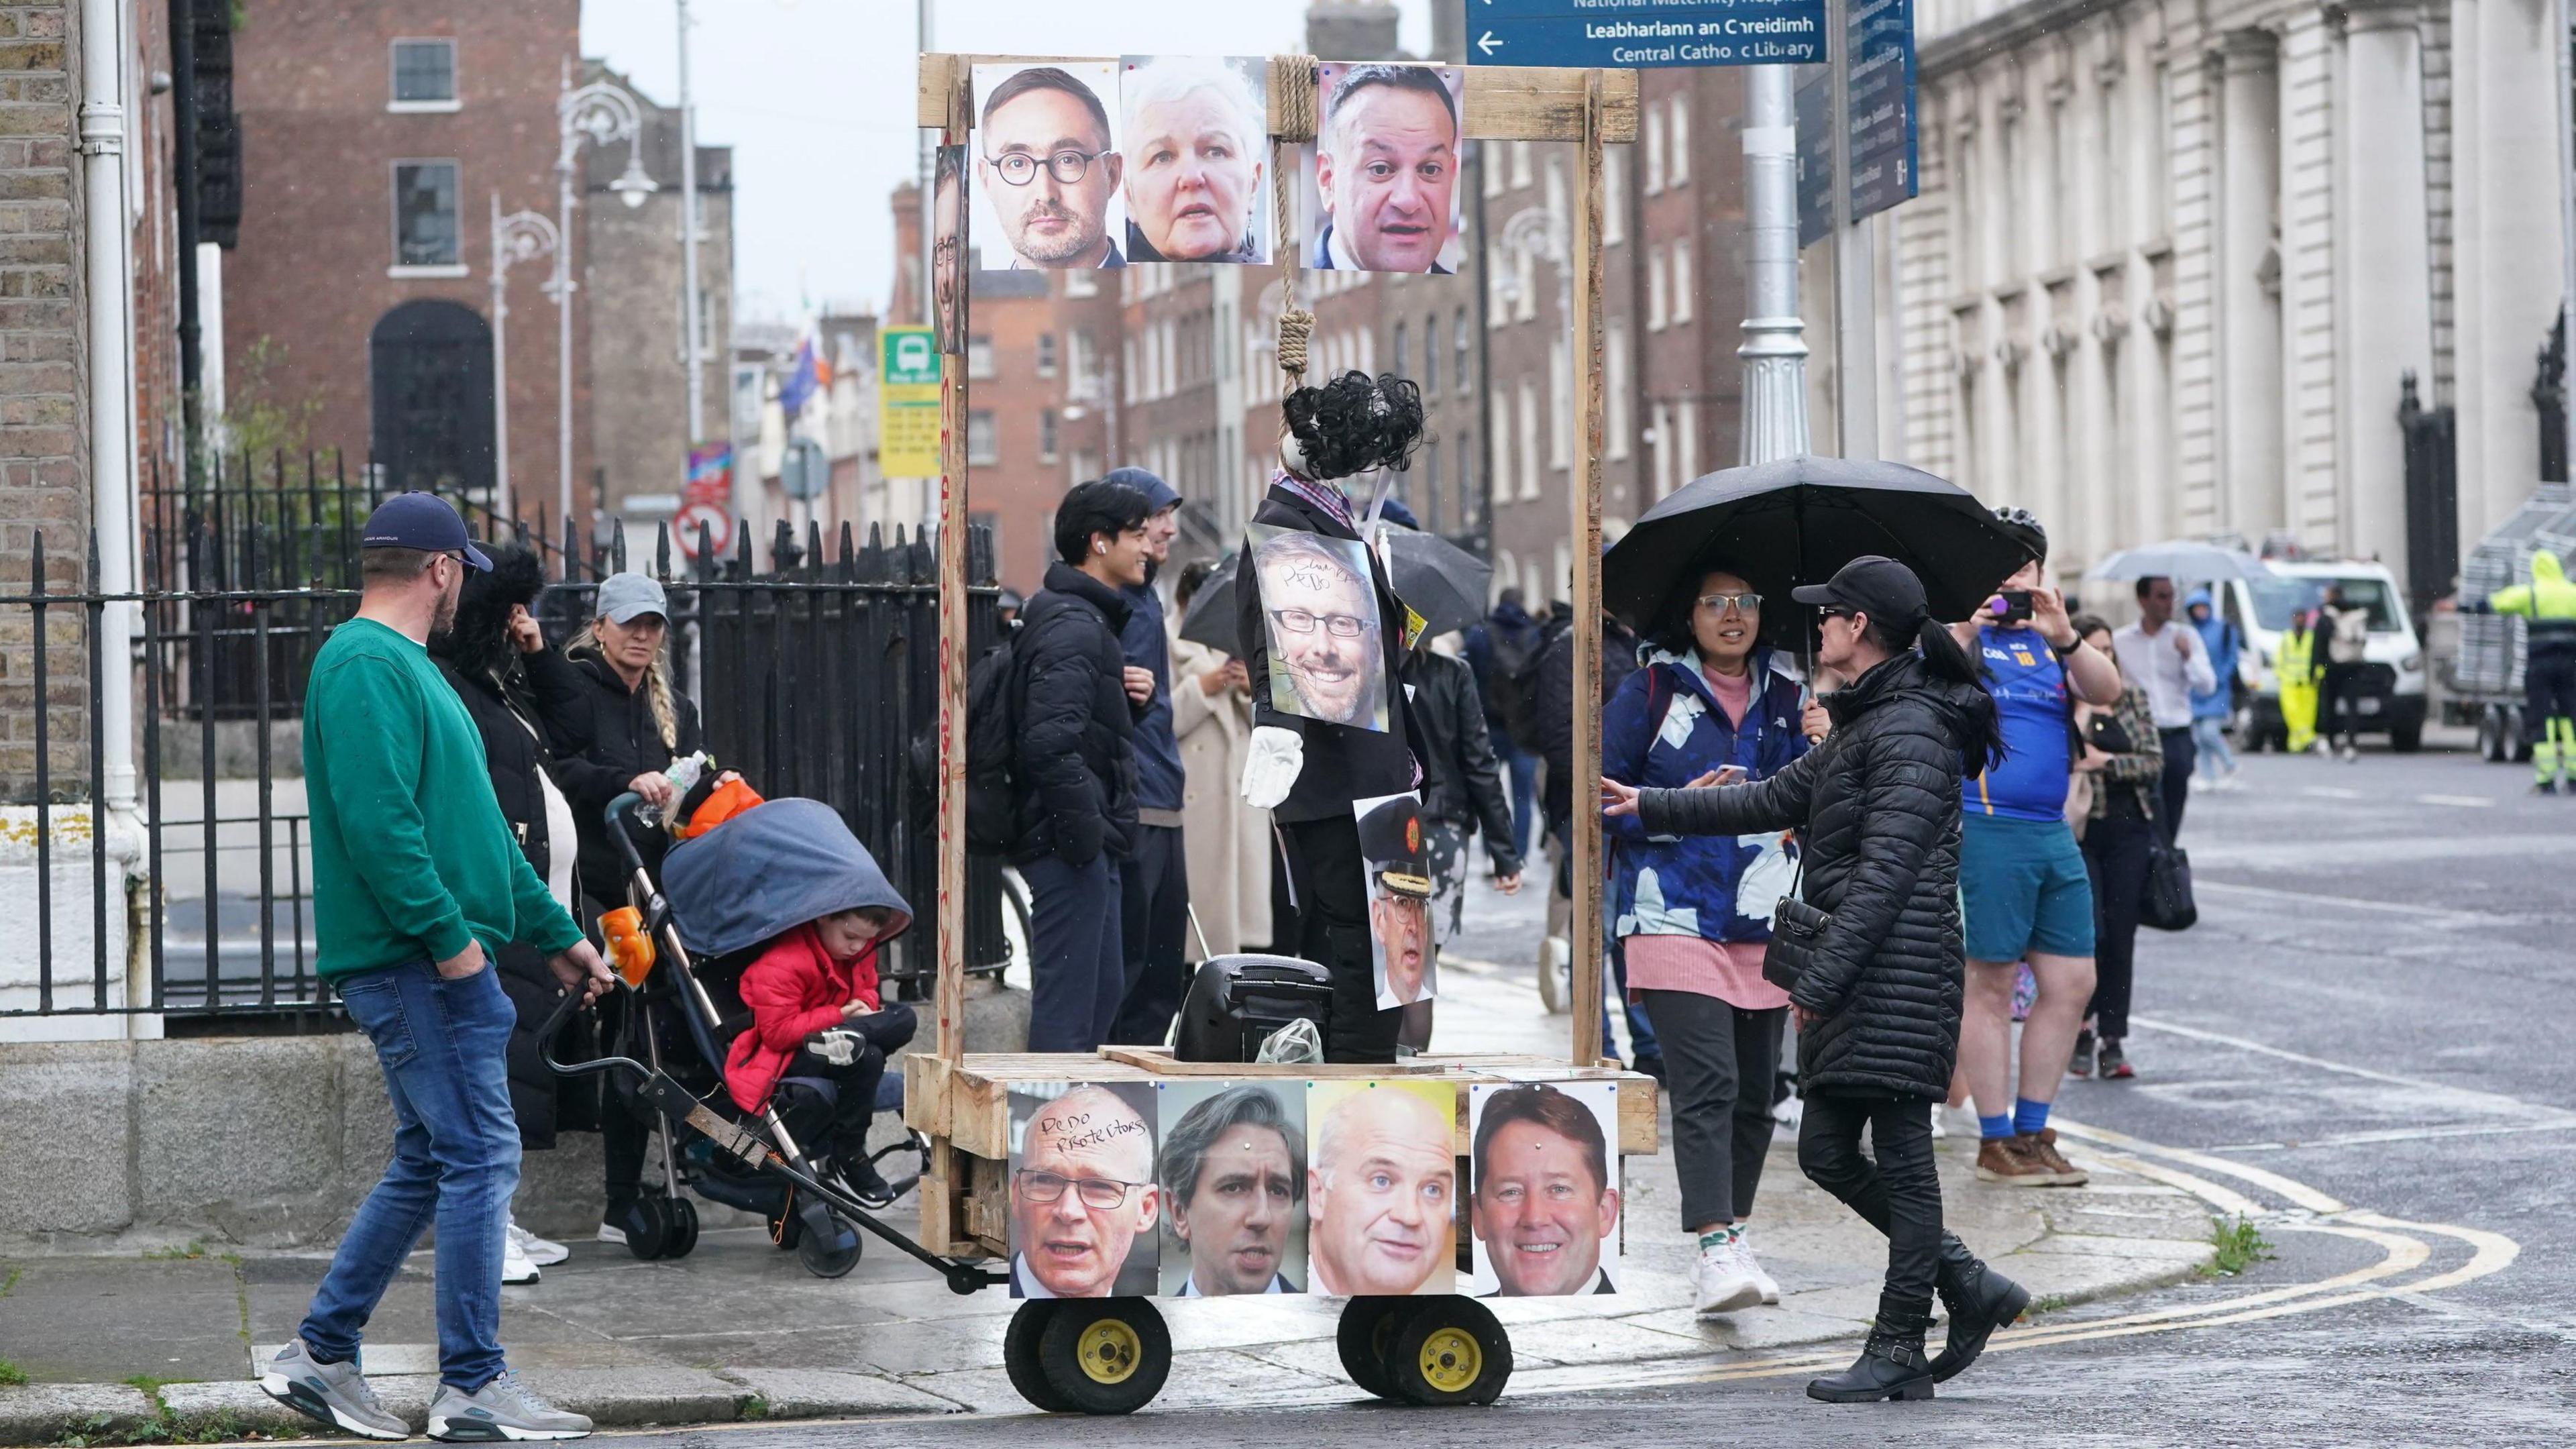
(1515, 679)
(992, 734)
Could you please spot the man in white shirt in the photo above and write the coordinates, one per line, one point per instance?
(2167, 661)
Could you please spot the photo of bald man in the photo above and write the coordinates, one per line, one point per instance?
(1381, 1195)
(1083, 1200)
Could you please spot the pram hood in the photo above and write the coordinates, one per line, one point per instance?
(769, 870)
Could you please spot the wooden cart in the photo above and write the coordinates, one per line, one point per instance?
(1110, 1355)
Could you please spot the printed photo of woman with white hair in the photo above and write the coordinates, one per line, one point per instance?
(1195, 139)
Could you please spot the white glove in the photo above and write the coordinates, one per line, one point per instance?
(1271, 770)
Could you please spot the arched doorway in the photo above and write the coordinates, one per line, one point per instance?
(430, 375)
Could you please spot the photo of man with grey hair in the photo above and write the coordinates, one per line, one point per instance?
(1233, 1177)
(1386, 169)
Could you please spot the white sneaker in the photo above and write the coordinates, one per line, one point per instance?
(515, 1267)
(2351, 754)
(1744, 1249)
(1940, 1129)
(540, 1251)
(611, 1233)
(1722, 1281)
(1790, 1113)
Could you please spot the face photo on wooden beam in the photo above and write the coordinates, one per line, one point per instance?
(1195, 135)
(948, 250)
(1046, 173)
(1382, 190)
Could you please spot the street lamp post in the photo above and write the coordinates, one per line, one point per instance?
(600, 113)
(522, 236)
(692, 328)
(1774, 350)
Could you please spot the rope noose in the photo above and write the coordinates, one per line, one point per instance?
(1296, 324)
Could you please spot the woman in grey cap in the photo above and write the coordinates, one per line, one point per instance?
(614, 724)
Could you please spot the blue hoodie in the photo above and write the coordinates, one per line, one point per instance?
(1159, 779)
(2224, 643)
(1686, 885)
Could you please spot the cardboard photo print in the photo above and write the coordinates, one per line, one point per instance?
(1382, 1188)
(1382, 192)
(1232, 1171)
(1398, 863)
(948, 251)
(1545, 1203)
(1084, 1208)
(1195, 135)
(1319, 603)
(1044, 185)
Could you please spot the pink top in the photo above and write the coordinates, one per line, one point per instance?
(1731, 971)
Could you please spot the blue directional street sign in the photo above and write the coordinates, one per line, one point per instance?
(1644, 34)
(1883, 136)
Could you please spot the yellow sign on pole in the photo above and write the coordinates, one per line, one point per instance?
(907, 403)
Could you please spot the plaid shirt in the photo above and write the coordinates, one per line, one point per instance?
(2139, 769)
(1323, 495)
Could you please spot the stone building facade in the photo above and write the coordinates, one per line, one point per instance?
(2171, 264)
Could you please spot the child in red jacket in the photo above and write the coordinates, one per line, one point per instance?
(819, 1038)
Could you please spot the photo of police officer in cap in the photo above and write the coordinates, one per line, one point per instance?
(1399, 894)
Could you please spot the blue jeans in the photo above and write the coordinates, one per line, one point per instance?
(1524, 771)
(1077, 971)
(444, 1049)
(2209, 732)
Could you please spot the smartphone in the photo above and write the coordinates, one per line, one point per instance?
(1730, 774)
(2012, 606)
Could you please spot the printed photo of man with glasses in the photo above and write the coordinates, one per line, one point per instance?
(1047, 168)
(1326, 659)
(1083, 1199)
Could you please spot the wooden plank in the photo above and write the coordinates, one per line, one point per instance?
(948, 993)
(937, 1201)
(1584, 931)
(1502, 102)
(987, 1220)
(1640, 1134)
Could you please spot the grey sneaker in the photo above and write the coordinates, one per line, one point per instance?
(502, 1410)
(336, 1394)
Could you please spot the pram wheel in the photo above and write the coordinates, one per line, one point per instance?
(1104, 1355)
(830, 1256)
(684, 1228)
(662, 1227)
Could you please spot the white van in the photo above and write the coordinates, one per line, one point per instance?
(2392, 693)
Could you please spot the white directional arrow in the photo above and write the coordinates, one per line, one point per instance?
(1487, 43)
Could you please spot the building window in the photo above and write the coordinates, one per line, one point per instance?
(424, 75)
(979, 357)
(1501, 469)
(1081, 282)
(982, 447)
(1046, 354)
(1614, 387)
(1459, 353)
(1663, 444)
(1520, 164)
(1399, 348)
(1528, 440)
(1560, 405)
(1431, 485)
(425, 215)
(1655, 294)
(1430, 353)
(1490, 162)
(1654, 151)
(1524, 284)
(1681, 140)
(1046, 435)
(1614, 190)
(1686, 446)
(1682, 281)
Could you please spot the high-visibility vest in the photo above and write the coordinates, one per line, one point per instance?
(2297, 660)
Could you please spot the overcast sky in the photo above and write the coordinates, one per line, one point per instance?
(816, 99)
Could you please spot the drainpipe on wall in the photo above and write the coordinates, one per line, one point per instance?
(108, 243)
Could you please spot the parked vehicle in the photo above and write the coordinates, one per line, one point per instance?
(2392, 700)
(2482, 677)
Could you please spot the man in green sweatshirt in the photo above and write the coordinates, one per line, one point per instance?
(416, 884)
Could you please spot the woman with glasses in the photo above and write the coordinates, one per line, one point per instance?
(1692, 913)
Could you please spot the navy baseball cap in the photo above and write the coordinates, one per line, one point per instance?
(423, 521)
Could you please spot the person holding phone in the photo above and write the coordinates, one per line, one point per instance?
(2022, 879)
(1712, 706)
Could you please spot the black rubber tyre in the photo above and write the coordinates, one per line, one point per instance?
(1020, 1356)
(2406, 739)
(1105, 1355)
(648, 1234)
(1449, 1350)
(833, 1256)
(684, 1228)
(1367, 1324)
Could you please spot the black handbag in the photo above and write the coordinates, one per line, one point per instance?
(2167, 904)
(1797, 929)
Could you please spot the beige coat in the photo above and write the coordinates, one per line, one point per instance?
(1226, 841)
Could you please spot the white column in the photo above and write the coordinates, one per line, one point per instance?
(2249, 327)
(2385, 310)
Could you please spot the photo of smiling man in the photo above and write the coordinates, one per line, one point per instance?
(1326, 659)
(1083, 1200)
(1233, 1176)
(1546, 1205)
(1046, 165)
(1399, 895)
(1386, 164)
(948, 250)
(1194, 137)
(1381, 1197)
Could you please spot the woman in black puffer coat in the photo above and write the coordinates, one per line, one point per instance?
(1877, 805)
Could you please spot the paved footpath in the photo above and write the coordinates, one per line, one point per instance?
(152, 1347)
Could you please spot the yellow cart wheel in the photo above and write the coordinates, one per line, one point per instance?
(1105, 1355)
(1449, 1350)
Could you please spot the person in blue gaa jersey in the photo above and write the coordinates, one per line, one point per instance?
(2022, 881)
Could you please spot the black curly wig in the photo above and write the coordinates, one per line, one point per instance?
(1355, 423)
(479, 641)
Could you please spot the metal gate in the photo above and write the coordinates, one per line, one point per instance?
(2432, 498)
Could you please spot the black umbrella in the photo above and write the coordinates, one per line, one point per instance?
(1437, 579)
(1212, 619)
(1794, 521)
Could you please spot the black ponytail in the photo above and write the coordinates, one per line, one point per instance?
(1983, 743)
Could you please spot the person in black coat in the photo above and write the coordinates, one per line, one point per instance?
(479, 656)
(1462, 793)
(614, 724)
(1877, 807)
(1074, 777)
(1307, 772)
